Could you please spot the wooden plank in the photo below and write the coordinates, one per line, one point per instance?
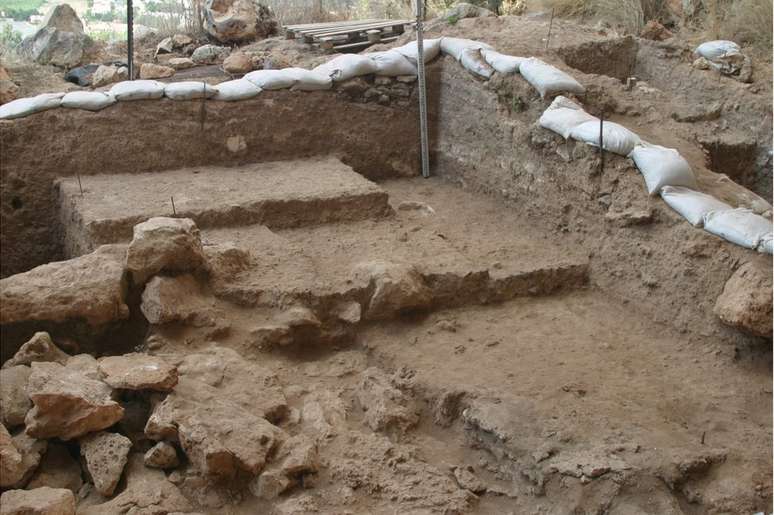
(300, 30)
(361, 44)
(349, 30)
(303, 26)
(330, 29)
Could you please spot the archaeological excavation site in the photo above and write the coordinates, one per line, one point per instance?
(318, 268)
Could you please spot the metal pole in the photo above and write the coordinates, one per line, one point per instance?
(550, 26)
(422, 92)
(601, 142)
(130, 37)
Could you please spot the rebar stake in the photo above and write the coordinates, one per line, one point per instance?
(550, 25)
(174, 213)
(80, 186)
(601, 143)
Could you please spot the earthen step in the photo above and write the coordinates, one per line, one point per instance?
(278, 194)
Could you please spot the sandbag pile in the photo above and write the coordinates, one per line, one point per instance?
(665, 172)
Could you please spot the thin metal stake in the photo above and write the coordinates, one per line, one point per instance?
(174, 213)
(550, 25)
(601, 143)
(130, 38)
(80, 186)
(422, 92)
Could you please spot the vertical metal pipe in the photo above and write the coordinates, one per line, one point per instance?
(130, 38)
(601, 142)
(422, 91)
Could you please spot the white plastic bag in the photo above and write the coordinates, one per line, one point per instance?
(88, 100)
(307, 80)
(548, 79)
(137, 90)
(346, 66)
(661, 166)
(474, 62)
(271, 79)
(26, 106)
(188, 90)
(714, 50)
(392, 64)
(238, 89)
(740, 226)
(430, 50)
(501, 62)
(692, 205)
(563, 115)
(615, 138)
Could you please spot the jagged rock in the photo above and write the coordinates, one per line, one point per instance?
(209, 54)
(746, 299)
(136, 371)
(10, 460)
(324, 414)
(465, 10)
(81, 75)
(655, 31)
(181, 40)
(299, 316)
(270, 484)
(147, 492)
(397, 288)
(162, 244)
(155, 71)
(387, 408)
(38, 348)
(41, 501)
(89, 287)
(105, 75)
(14, 401)
(349, 312)
(299, 456)
(58, 469)
(60, 41)
(270, 335)
(31, 451)
(165, 46)
(226, 260)
(174, 299)
(467, 480)
(86, 365)
(238, 20)
(698, 113)
(238, 63)
(163, 455)
(181, 63)
(105, 455)
(8, 91)
(67, 404)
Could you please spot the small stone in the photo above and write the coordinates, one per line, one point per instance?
(467, 480)
(181, 40)
(237, 63)
(155, 71)
(165, 46)
(10, 460)
(411, 205)
(181, 63)
(138, 372)
(386, 407)
(163, 455)
(397, 288)
(173, 299)
(653, 30)
(406, 79)
(382, 81)
(301, 456)
(349, 312)
(269, 336)
(210, 54)
(745, 302)
(40, 501)
(38, 348)
(14, 401)
(106, 455)
(105, 75)
(701, 64)
(354, 88)
(31, 451)
(299, 316)
(270, 484)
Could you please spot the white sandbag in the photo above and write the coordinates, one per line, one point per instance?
(137, 90)
(392, 64)
(661, 166)
(692, 205)
(26, 106)
(88, 100)
(714, 50)
(238, 89)
(740, 226)
(307, 80)
(563, 115)
(455, 47)
(430, 50)
(548, 79)
(615, 138)
(474, 62)
(188, 90)
(501, 62)
(272, 79)
(346, 66)
(767, 244)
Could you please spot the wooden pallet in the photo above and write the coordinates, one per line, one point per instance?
(347, 36)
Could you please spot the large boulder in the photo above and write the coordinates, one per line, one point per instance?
(105, 455)
(89, 288)
(231, 21)
(40, 501)
(68, 403)
(746, 299)
(14, 401)
(61, 41)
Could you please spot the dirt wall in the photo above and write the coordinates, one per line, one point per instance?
(154, 135)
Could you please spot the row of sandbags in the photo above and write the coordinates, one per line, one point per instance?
(479, 58)
(666, 173)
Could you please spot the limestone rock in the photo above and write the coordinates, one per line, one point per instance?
(163, 455)
(387, 408)
(655, 31)
(181, 63)
(164, 245)
(8, 91)
(397, 288)
(105, 455)
(209, 54)
(105, 75)
(238, 63)
(466, 10)
(238, 20)
(89, 287)
(181, 40)
(61, 41)
(349, 312)
(299, 456)
(746, 299)
(324, 414)
(136, 371)
(270, 484)
(40, 501)
(147, 492)
(174, 299)
(38, 348)
(58, 469)
(31, 451)
(14, 401)
(467, 480)
(86, 365)
(155, 71)
(68, 404)
(10, 460)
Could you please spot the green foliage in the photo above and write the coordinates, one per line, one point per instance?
(20, 10)
(9, 38)
(453, 19)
